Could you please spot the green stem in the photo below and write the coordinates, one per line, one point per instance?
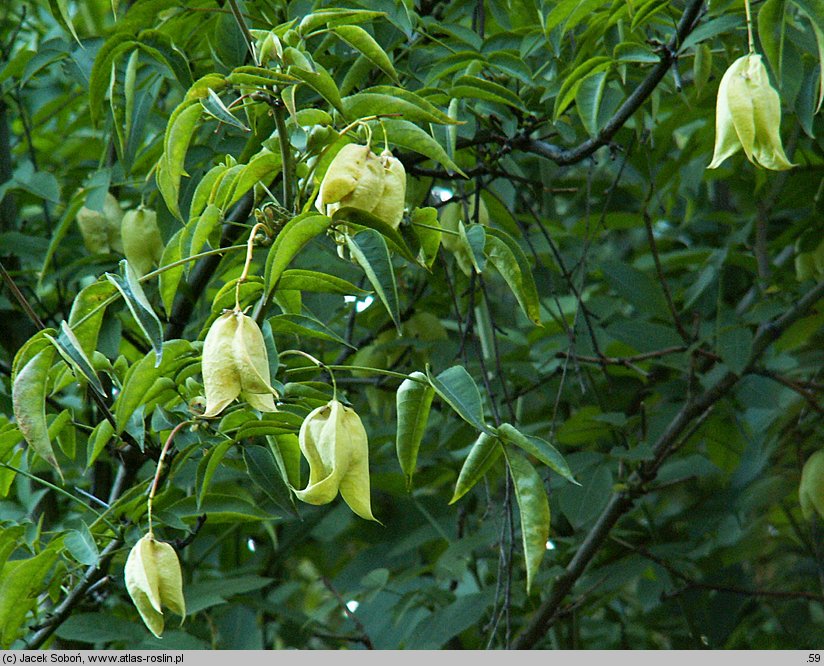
(750, 41)
(359, 368)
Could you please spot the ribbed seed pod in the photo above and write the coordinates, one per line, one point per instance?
(142, 243)
(235, 364)
(354, 178)
(748, 116)
(393, 198)
(154, 581)
(101, 229)
(334, 442)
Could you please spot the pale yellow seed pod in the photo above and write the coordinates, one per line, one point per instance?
(154, 581)
(235, 364)
(142, 243)
(101, 229)
(748, 116)
(252, 364)
(334, 442)
(354, 178)
(221, 381)
(811, 487)
(393, 198)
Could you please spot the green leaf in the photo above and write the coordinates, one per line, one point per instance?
(88, 311)
(533, 506)
(69, 348)
(286, 449)
(735, 347)
(304, 280)
(569, 13)
(128, 285)
(99, 437)
(540, 448)
(81, 545)
(333, 16)
(814, 9)
(456, 386)
(413, 400)
(296, 233)
(179, 131)
(29, 404)
(409, 136)
(771, 31)
(634, 52)
(204, 227)
(362, 41)
(588, 101)
(60, 11)
(512, 264)
(21, 584)
(432, 111)
(208, 466)
(304, 325)
(248, 75)
(478, 88)
(214, 106)
(140, 382)
(364, 104)
(260, 464)
(322, 83)
(572, 83)
(358, 217)
(483, 454)
(169, 279)
(427, 229)
(262, 168)
(435, 630)
(637, 288)
(369, 249)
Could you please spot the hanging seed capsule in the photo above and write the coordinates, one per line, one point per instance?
(354, 178)
(154, 581)
(101, 229)
(334, 442)
(142, 243)
(235, 364)
(748, 116)
(393, 198)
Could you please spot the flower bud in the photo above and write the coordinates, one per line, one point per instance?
(142, 243)
(748, 116)
(811, 488)
(354, 178)
(101, 230)
(154, 580)
(393, 198)
(333, 440)
(235, 363)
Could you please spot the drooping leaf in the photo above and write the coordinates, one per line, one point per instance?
(369, 249)
(512, 264)
(296, 233)
(413, 400)
(456, 386)
(540, 448)
(29, 403)
(362, 41)
(128, 284)
(533, 506)
(483, 454)
(260, 464)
